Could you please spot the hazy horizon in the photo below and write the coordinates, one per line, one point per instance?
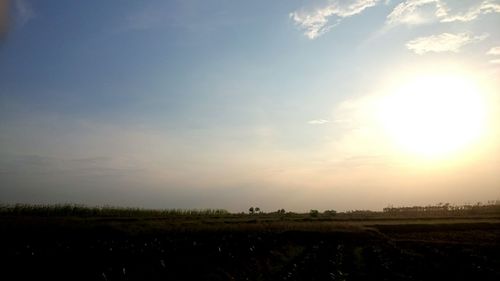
(300, 105)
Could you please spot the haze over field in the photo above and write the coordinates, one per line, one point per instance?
(230, 104)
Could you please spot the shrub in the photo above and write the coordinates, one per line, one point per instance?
(313, 213)
(330, 213)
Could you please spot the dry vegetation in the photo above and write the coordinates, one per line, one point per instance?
(70, 242)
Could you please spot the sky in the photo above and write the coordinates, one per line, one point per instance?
(294, 104)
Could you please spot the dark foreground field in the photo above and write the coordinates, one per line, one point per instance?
(41, 248)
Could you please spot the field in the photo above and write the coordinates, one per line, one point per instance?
(217, 245)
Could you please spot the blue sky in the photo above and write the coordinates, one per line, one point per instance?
(228, 104)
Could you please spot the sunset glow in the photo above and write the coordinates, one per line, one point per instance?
(434, 116)
(325, 104)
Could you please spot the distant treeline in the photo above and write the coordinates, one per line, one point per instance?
(105, 211)
(492, 207)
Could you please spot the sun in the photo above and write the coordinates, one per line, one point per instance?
(434, 115)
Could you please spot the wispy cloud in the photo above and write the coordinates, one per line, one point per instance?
(495, 51)
(413, 12)
(24, 12)
(416, 12)
(37, 164)
(318, 22)
(4, 16)
(318, 122)
(445, 42)
(147, 18)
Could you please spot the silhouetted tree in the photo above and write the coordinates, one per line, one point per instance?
(251, 210)
(313, 213)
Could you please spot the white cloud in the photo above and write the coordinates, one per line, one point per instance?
(416, 12)
(317, 22)
(318, 122)
(497, 61)
(445, 42)
(412, 12)
(485, 7)
(495, 51)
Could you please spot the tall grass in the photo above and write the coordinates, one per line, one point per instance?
(104, 211)
(76, 210)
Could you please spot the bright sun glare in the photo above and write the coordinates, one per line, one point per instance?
(434, 116)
